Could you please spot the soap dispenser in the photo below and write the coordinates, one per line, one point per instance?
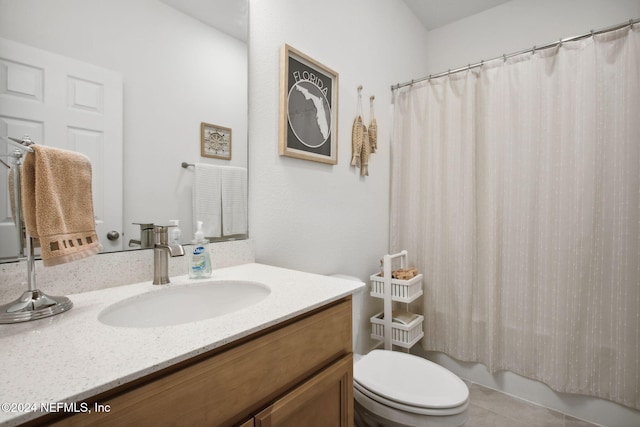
(199, 258)
(175, 234)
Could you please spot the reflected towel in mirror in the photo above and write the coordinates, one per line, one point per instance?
(234, 200)
(207, 197)
(58, 204)
(220, 199)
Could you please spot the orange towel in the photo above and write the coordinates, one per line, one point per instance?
(58, 205)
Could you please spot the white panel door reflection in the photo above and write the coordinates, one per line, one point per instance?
(64, 103)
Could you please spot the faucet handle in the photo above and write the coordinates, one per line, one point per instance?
(146, 236)
(144, 225)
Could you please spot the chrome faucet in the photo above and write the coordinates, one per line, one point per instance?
(162, 250)
(146, 236)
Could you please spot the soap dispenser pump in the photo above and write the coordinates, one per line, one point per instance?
(199, 258)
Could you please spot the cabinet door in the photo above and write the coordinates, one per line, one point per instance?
(324, 400)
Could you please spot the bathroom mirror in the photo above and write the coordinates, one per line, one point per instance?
(182, 63)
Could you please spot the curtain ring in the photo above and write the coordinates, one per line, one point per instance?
(533, 51)
(504, 57)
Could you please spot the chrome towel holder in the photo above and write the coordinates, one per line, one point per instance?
(33, 304)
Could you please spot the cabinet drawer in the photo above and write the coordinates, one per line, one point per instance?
(223, 389)
(324, 400)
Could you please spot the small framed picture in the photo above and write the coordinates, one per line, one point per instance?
(308, 108)
(215, 141)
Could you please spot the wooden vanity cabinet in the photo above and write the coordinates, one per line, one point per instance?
(299, 373)
(324, 400)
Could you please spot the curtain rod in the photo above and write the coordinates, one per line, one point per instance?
(591, 33)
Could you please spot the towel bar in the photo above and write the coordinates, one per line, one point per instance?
(22, 144)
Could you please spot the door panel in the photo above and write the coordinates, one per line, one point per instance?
(64, 103)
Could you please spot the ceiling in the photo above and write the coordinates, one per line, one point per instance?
(437, 13)
(230, 16)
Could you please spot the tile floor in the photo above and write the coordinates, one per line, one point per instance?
(490, 408)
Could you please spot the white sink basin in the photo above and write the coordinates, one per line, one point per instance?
(175, 305)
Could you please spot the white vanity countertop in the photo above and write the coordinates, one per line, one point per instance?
(71, 357)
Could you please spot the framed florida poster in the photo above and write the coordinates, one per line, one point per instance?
(308, 108)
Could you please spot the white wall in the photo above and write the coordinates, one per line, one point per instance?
(177, 71)
(519, 25)
(512, 27)
(311, 216)
(326, 218)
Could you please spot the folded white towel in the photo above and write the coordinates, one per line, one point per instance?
(234, 200)
(207, 199)
(403, 317)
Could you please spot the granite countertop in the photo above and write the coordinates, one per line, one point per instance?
(72, 356)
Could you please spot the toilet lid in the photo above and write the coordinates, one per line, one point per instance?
(410, 380)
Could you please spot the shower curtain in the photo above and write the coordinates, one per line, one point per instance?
(516, 190)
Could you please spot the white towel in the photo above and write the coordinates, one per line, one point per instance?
(207, 199)
(234, 200)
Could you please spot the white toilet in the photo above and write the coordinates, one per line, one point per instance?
(394, 389)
